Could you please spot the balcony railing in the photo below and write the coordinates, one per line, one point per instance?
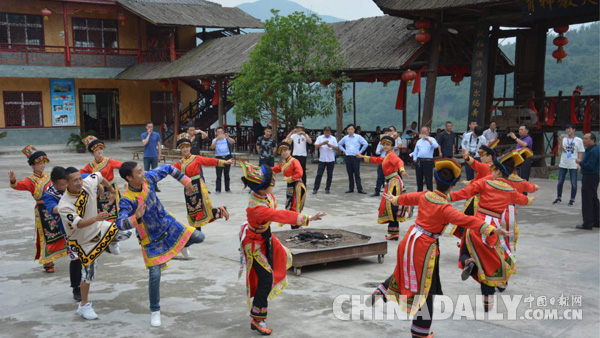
(18, 54)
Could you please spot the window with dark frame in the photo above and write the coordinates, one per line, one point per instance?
(161, 107)
(22, 29)
(23, 109)
(95, 33)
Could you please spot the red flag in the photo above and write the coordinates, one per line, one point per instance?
(400, 98)
(532, 107)
(587, 119)
(417, 82)
(550, 121)
(573, 116)
(215, 100)
(495, 106)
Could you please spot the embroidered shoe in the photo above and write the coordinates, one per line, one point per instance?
(87, 312)
(502, 288)
(379, 293)
(470, 263)
(261, 327)
(49, 267)
(185, 252)
(556, 201)
(224, 213)
(155, 318)
(393, 237)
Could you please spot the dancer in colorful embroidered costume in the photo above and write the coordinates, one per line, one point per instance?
(416, 278)
(393, 168)
(481, 258)
(106, 166)
(50, 243)
(199, 208)
(88, 232)
(161, 236)
(292, 172)
(263, 256)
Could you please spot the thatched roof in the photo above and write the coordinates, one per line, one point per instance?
(197, 13)
(379, 44)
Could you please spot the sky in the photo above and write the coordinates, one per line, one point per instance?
(343, 9)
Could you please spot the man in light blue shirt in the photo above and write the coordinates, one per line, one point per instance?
(423, 157)
(351, 145)
(221, 146)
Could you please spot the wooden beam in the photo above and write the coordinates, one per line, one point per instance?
(434, 59)
(339, 108)
(354, 100)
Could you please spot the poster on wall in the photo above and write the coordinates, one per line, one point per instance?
(62, 92)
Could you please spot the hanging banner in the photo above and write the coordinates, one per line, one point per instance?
(479, 68)
(62, 98)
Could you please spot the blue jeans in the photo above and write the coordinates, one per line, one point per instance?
(562, 174)
(380, 179)
(150, 163)
(155, 271)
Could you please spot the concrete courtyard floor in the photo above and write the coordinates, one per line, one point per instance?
(203, 296)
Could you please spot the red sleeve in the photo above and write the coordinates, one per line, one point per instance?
(412, 198)
(207, 161)
(468, 192)
(456, 217)
(262, 215)
(524, 186)
(519, 198)
(24, 185)
(397, 162)
(376, 159)
(177, 165)
(277, 169)
(115, 164)
(86, 170)
(298, 172)
(478, 166)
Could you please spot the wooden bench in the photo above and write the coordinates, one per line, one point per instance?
(239, 156)
(136, 154)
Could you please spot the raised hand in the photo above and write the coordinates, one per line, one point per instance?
(318, 216)
(465, 154)
(12, 177)
(141, 208)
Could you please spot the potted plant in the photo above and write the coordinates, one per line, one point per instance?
(77, 140)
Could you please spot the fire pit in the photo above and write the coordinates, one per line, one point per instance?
(319, 246)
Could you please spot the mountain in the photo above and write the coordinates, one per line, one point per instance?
(262, 9)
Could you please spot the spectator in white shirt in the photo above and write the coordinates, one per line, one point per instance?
(413, 128)
(327, 146)
(471, 142)
(300, 139)
(491, 134)
(571, 149)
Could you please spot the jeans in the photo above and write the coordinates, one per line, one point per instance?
(353, 169)
(302, 160)
(424, 170)
(380, 179)
(220, 171)
(150, 163)
(562, 174)
(320, 171)
(589, 200)
(154, 273)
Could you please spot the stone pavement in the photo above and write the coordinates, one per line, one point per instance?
(204, 296)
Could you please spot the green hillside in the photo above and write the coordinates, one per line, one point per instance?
(375, 103)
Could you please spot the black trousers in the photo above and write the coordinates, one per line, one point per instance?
(589, 200)
(525, 170)
(380, 179)
(220, 171)
(353, 169)
(302, 160)
(270, 161)
(260, 302)
(75, 273)
(322, 166)
(424, 170)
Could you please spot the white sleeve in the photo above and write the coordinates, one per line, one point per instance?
(68, 214)
(580, 145)
(94, 180)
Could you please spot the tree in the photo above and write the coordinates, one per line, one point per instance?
(293, 72)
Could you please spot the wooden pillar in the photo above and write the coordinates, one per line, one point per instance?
(66, 29)
(274, 124)
(480, 75)
(434, 61)
(220, 104)
(176, 118)
(139, 37)
(404, 110)
(339, 109)
(354, 100)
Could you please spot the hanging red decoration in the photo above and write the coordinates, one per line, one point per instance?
(457, 78)
(163, 83)
(46, 13)
(370, 78)
(560, 41)
(122, 18)
(561, 29)
(422, 24)
(206, 83)
(408, 76)
(423, 37)
(559, 54)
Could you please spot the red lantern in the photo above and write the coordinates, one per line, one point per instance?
(163, 83)
(46, 13)
(423, 37)
(559, 54)
(408, 77)
(457, 78)
(561, 29)
(122, 18)
(422, 24)
(206, 83)
(560, 41)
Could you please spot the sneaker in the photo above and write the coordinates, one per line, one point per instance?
(113, 248)
(261, 327)
(77, 294)
(217, 193)
(327, 192)
(571, 203)
(556, 201)
(155, 319)
(314, 192)
(185, 252)
(87, 312)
